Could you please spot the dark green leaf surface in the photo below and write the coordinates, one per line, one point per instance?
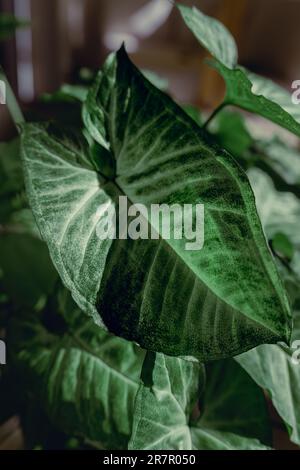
(233, 403)
(223, 299)
(231, 133)
(28, 273)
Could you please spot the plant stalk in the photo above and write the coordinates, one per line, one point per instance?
(214, 113)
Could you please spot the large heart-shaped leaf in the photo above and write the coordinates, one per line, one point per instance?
(243, 89)
(86, 380)
(210, 303)
(163, 409)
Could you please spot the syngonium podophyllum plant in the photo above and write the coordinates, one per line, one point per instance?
(144, 343)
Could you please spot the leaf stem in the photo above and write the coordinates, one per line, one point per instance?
(214, 113)
(12, 103)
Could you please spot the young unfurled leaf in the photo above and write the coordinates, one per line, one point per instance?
(163, 411)
(211, 34)
(243, 89)
(223, 299)
(85, 379)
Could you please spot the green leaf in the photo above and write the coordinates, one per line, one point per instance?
(231, 133)
(28, 273)
(193, 113)
(240, 91)
(67, 93)
(275, 93)
(279, 211)
(8, 25)
(271, 367)
(206, 439)
(159, 82)
(283, 246)
(243, 89)
(155, 292)
(85, 379)
(161, 415)
(211, 34)
(163, 411)
(11, 175)
(281, 158)
(15, 216)
(233, 403)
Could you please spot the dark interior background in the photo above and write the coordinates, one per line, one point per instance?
(67, 35)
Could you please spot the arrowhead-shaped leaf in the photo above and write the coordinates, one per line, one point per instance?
(221, 300)
(163, 409)
(163, 406)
